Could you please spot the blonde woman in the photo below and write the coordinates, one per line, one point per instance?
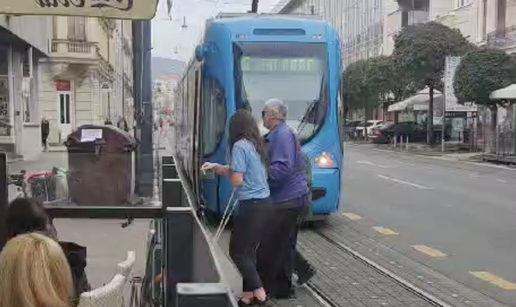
(35, 273)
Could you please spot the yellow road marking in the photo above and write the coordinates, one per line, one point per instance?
(495, 280)
(352, 216)
(385, 231)
(429, 251)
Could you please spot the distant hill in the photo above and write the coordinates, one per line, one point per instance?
(166, 67)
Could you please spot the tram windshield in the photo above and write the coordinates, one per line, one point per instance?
(293, 72)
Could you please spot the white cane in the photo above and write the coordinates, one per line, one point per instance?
(226, 216)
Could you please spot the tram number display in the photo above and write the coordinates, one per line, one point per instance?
(280, 65)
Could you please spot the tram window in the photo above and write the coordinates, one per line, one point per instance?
(213, 116)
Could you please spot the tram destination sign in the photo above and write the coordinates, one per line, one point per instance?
(119, 9)
(280, 64)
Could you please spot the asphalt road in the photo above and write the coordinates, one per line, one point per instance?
(457, 218)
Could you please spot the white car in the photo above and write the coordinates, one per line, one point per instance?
(368, 126)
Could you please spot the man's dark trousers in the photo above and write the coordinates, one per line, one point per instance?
(276, 253)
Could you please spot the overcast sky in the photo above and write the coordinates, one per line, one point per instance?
(168, 35)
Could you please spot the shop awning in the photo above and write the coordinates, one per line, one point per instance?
(508, 92)
(417, 102)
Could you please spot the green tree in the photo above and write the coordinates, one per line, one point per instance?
(362, 85)
(481, 72)
(393, 83)
(420, 52)
(367, 83)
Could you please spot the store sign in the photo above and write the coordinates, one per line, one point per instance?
(120, 9)
(63, 85)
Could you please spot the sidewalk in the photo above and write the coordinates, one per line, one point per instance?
(303, 297)
(436, 153)
(46, 162)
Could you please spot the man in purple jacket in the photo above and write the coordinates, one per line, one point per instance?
(289, 192)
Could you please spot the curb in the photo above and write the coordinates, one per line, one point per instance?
(9, 161)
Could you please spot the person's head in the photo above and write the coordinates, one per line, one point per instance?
(243, 126)
(25, 215)
(35, 273)
(274, 112)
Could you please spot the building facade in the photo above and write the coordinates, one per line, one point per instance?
(23, 42)
(484, 22)
(88, 77)
(397, 17)
(358, 22)
(163, 91)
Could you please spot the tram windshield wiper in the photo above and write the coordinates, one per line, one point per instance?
(311, 111)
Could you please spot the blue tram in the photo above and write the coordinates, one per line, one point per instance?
(244, 60)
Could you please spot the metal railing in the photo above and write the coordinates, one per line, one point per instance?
(190, 257)
(79, 48)
(505, 144)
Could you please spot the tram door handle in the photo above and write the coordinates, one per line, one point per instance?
(208, 174)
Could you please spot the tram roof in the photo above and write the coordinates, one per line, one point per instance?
(265, 20)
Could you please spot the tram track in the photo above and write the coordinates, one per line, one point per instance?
(320, 296)
(431, 299)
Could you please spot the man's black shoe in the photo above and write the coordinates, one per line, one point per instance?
(307, 275)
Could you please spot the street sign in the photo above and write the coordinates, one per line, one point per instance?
(120, 9)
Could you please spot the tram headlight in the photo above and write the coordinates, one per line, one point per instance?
(324, 160)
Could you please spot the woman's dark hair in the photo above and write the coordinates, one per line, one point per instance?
(25, 215)
(243, 126)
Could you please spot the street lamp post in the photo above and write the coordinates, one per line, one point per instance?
(143, 106)
(254, 6)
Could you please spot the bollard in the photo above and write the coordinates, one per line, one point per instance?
(171, 187)
(407, 143)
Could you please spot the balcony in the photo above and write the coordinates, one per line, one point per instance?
(74, 59)
(502, 39)
(74, 50)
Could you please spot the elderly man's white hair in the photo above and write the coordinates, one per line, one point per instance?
(278, 108)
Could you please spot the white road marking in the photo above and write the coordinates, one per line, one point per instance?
(474, 175)
(415, 185)
(373, 164)
(450, 159)
(383, 150)
(502, 181)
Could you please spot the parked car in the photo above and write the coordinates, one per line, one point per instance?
(350, 128)
(367, 126)
(385, 133)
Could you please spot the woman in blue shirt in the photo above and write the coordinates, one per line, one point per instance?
(247, 173)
